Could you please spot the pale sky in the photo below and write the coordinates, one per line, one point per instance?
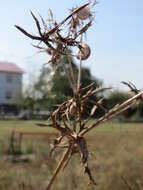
(116, 38)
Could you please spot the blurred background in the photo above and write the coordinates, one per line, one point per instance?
(115, 38)
(28, 96)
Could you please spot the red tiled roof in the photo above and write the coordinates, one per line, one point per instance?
(10, 68)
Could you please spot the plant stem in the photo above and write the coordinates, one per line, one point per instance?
(80, 67)
(59, 166)
(116, 110)
(71, 70)
(79, 74)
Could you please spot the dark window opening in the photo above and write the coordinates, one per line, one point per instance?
(9, 78)
(8, 95)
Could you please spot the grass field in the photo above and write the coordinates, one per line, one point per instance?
(116, 153)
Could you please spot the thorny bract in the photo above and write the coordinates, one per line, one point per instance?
(56, 39)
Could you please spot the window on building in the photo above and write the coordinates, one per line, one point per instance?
(9, 78)
(8, 95)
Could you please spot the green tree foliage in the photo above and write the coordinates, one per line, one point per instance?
(51, 92)
(117, 97)
(140, 110)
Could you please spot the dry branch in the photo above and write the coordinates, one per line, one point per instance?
(116, 110)
(59, 167)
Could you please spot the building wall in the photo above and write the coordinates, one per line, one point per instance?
(10, 88)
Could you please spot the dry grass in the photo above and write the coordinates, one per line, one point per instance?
(116, 152)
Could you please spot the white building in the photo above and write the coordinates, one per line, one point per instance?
(10, 83)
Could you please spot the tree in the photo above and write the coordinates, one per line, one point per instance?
(116, 97)
(52, 92)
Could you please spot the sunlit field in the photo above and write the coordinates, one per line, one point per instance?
(116, 153)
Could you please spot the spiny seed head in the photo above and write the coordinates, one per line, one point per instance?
(84, 13)
(84, 52)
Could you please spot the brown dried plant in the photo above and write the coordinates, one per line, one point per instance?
(56, 39)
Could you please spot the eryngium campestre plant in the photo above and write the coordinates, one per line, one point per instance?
(56, 39)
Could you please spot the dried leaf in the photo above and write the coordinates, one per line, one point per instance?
(37, 24)
(27, 34)
(85, 28)
(131, 86)
(93, 110)
(50, 13)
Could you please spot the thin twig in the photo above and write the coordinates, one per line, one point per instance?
(27, 34)
(126, 183)
(80, 65)
(113, 112)
(59, 167)
(71, 69)
(37, 23)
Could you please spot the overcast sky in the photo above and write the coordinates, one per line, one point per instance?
(116, 38)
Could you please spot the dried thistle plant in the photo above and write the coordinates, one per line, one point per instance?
(56, 39)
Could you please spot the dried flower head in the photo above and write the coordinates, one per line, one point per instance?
(84, 52)
(84, 13)
(73, 109)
